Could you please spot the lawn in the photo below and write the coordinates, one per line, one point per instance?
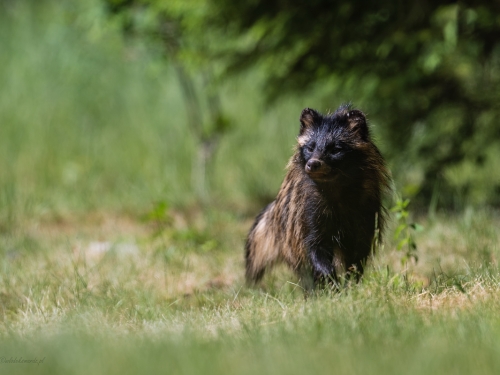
(115, 294)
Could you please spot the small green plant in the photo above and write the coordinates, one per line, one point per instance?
(404, 231)
(159, 217)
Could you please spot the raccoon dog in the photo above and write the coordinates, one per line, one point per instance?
(328, 211)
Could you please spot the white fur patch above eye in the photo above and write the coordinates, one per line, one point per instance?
(303, 139)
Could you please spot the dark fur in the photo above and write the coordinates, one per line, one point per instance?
(328, 211)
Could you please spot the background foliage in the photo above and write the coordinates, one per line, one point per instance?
(159, 78)
(427, 73)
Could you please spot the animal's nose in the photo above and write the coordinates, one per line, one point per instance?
(313, 165)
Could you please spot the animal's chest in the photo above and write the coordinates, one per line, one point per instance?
(322, 221)
(334, 227)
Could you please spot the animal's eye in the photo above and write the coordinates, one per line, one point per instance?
(333, 149)
(310, 147)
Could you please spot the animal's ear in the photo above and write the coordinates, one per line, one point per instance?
(356, 121)
(308, 118)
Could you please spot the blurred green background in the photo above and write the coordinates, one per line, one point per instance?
(117, 104)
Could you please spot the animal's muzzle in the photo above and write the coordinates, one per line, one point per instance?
(317, 167)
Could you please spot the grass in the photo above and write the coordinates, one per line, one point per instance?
(108, 265)
(117, 295)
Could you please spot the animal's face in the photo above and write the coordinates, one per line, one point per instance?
(331, 146)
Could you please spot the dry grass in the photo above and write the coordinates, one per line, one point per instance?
(102, 282)
(114, 260)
